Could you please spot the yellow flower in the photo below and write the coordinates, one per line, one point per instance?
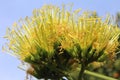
(51, 24)
(55, 39)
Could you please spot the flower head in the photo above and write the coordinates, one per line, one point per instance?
(61, 37)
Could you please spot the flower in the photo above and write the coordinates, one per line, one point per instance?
(54, 39)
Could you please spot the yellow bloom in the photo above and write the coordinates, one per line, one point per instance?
(51, 24)
(55, 40)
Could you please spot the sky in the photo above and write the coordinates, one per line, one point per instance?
(13, 10)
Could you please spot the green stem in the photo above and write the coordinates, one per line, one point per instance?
(69, 78)
(98, 75)
(86, 72)
(83, 67)
(46, 79)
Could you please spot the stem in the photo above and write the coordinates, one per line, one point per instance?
(69, 78)
(45, 78)
(86, 72)
(98, 75)
(103, 77)
(83, 67)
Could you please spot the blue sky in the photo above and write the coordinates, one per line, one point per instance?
(13, 10)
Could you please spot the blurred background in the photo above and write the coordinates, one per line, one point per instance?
(13, 10)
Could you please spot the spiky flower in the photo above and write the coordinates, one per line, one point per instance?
(53, 40)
